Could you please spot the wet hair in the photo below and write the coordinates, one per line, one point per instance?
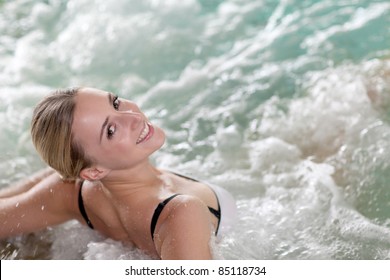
(51, 132)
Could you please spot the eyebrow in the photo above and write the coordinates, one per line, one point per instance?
(106, 120)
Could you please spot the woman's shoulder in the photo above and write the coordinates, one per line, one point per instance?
(179, 212)
(185, 228)
(183, 214)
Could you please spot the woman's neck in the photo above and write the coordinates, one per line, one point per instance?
(134, 179)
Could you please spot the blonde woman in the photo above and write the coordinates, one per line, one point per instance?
(98, 146)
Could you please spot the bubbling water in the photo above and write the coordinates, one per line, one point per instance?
(280, 102)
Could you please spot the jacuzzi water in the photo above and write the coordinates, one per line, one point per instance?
(285, 103)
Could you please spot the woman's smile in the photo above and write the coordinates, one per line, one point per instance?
(146, 133)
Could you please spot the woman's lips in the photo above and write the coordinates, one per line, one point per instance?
(146, 133)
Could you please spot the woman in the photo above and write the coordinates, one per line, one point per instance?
(99, 146)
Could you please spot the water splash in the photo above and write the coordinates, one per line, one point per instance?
(280, 102)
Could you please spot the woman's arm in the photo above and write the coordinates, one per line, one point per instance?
(43, 201)
(186, 232)
(26, 184)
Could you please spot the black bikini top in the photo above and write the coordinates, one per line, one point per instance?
(157, 211)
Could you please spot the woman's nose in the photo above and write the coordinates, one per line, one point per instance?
(132, 118)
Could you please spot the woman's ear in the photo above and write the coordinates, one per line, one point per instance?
(94, 173)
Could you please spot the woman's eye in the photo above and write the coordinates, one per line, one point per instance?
(110, 131)
(116, 103)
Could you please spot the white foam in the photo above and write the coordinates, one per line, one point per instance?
(260, 98)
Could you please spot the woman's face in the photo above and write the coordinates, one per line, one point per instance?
(113, 132)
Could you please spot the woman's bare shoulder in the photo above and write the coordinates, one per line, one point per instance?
(185, 230)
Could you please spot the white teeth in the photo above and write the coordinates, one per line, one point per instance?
(143, 134)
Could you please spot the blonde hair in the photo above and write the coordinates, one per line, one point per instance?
(51, 132)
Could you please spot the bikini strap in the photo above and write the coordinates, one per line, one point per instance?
(82, 208)
(158, 211)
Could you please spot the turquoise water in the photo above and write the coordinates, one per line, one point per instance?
(284, 103)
